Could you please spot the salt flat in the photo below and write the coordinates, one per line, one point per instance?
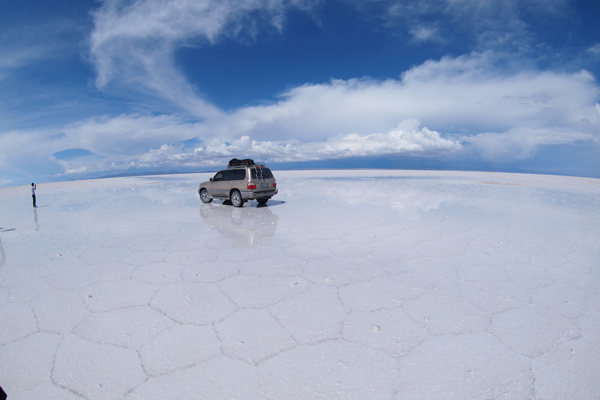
(349, 285)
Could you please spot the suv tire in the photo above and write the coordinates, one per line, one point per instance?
(236, 199)
(262, 201)
(204, 196)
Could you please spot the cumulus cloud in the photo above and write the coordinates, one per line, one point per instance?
(444, 106)
(467, 93)
(406, 138)
(155, 143)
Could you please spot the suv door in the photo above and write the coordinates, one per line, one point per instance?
(219, 185)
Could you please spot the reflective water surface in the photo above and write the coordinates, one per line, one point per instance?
(349, 284)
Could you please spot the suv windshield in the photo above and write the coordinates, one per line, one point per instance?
(266, 172)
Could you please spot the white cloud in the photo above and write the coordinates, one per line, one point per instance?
(594, 50)
(522, 143)
(467, 93)
(423, 33)
(130, 135)
(500, 115)
(29, 44)
(133, 43)
(483, 25)
(407, 138)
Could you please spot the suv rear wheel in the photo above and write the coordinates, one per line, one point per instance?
(236, 199)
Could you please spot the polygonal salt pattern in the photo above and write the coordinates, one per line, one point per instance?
(137, 326)
(575, 365)
(444, 311)
(259, 292)
(96, 371)
(16, 321)
(390, 330)
(117, 294)
(369, 284)
(193, 303)
(312, 316)
(452, 366)
(218, 378)
(180, 346)
(158, 273)
(531, 330)
(26, 362)
(329, 370)
(262, 336)
(60, 311)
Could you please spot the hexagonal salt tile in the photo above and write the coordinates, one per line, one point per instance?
(192, 302)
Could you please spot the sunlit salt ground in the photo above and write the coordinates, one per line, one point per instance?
(349, 285)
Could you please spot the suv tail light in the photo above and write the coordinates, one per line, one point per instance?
(274, 184)
(251, 185)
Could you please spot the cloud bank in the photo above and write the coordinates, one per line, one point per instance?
(442, 106)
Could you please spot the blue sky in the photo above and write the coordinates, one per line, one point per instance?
(91, 89)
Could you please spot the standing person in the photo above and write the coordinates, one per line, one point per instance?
(33, 187)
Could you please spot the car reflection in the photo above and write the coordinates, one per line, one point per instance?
(247, 226)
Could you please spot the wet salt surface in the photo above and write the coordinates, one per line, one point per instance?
(351, 284)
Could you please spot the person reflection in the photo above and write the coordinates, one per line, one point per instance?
(35, 219)
(2, 254)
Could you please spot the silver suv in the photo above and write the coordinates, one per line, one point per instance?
(243, 180)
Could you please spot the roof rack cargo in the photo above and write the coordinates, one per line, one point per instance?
(248, 162)
(234, 162)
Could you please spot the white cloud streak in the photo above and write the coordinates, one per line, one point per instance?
(133, 43)
(27, 45)
(594, 50)
(489, 24)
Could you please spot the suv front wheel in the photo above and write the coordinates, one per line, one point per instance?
(204, 196)
(236, 199)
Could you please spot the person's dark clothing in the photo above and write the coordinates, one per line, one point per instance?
(33, 187)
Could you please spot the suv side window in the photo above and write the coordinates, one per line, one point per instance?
(227, 175)
(219, 176)
(238, 174)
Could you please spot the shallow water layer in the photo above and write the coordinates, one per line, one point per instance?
(350, 284)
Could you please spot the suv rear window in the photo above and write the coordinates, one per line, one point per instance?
(238, 174)
(266, 172)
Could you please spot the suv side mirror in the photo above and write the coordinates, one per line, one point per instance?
(211, 179)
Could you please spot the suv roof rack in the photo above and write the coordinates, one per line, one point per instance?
(247, 162)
